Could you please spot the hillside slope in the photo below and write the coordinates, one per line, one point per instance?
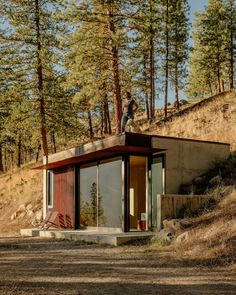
(215, 120)
(19, 188)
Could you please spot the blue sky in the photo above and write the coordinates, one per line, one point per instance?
(196, 5)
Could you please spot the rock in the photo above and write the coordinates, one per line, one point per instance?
(215, 180)
(30, 213)
(37, 218)
(182, 237)
(21, 215)
(175, 224)
(21, 208)
(39, 215)
(166, 234)
(13, 216)
(29, 207)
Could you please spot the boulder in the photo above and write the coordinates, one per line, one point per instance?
(166, 234)
(175, 224)
(38, 216)
(30, 213)
(21, 215)
(21, 208)
(182, 237)
(13, 216)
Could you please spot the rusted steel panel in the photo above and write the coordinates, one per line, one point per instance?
(63, 197)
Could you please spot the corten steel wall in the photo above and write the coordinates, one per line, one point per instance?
(63, 197)
(187, 159)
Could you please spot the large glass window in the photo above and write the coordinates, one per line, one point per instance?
(110, 194)
(101, 194)
(88, 196)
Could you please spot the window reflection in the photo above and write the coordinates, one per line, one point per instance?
(110, 193)
(101, 203)
(88, 196)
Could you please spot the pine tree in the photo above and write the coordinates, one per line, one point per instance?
(230, 19)
(143, 47)
(212, 62)
(94, 56)
(179, 48)
(30, 44)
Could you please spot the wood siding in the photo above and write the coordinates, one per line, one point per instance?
(63, 198)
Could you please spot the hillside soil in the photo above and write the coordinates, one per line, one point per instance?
(39, 266)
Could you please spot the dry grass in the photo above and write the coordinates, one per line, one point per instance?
(21, 186)
(215, 121)
(212, 237)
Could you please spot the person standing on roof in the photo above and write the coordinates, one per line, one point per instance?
(128, 108)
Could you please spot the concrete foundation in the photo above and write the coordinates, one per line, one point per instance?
(97, 237)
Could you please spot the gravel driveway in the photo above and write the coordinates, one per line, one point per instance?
(39, 266)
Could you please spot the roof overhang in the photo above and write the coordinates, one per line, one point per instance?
(118, 145)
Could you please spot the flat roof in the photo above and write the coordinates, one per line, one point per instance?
(113, 146)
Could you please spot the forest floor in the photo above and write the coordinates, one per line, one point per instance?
(40, 266)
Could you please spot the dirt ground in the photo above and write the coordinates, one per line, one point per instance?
(40, 266)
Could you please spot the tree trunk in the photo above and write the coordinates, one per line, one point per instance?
(152, 67)
(166, 59)
(1, 160)
(231, 69)
(40, 81)
(53, 141)
(91, 134)
(106, 115)
(5, 159)
(177, 95)
(151, 98)
(11, 165)
(210, 87)
(38, 152)
(145, 78)
(176, 67)
(176, 86)
(102, 116)
(116, 73)
(19, 152)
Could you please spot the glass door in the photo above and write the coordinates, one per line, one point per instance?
(157, 186)
(137, 193)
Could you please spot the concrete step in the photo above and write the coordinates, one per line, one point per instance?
(102, 238)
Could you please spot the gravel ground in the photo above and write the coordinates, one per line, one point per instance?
(39, 266)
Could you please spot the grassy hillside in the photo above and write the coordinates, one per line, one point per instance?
(212, 236)
(19, 187)
(214, 120)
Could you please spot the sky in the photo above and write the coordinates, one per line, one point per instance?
(196, 5)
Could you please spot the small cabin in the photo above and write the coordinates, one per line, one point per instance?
(112, 184)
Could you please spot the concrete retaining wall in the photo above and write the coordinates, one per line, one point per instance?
(176, 206)
(187, 159)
